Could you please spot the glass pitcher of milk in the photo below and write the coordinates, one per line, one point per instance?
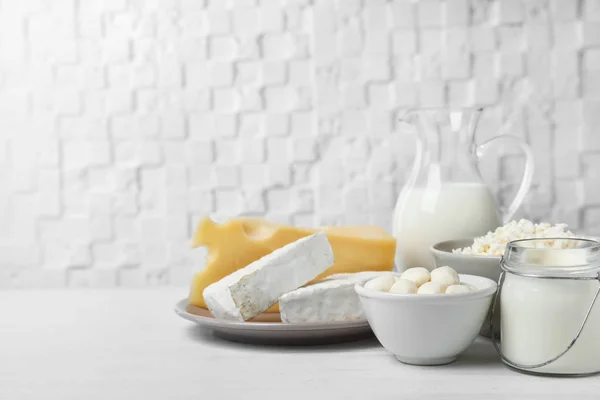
(445, 197)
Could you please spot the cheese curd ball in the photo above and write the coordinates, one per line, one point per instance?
(418, 275)
(456, 289)
(445, 276)
(430, 288)
(404, 286)
(382, 283)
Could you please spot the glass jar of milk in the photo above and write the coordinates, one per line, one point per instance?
(445, 197)
(549, 318)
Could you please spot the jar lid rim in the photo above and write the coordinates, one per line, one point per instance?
(512, 261)
(595, 242)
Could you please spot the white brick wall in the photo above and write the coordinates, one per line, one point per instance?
(122, 122)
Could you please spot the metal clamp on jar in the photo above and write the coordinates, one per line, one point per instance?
(549, 316)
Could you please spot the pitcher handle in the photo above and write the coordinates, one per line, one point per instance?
(527, 177)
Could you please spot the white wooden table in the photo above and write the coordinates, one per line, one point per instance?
(129, 344)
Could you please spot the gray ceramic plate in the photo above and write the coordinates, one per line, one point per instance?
(268, 328)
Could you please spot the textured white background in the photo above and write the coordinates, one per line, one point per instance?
(124, 121)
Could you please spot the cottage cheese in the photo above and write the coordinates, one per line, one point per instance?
(494, 243)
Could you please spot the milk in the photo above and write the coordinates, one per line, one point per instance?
(425, 216)
(540, 317)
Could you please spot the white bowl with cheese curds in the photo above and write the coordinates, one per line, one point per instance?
(481, 256)
(428, 329)
(470, 264)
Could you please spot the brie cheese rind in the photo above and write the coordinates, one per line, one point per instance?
(331, 299)
(328, 300)
(249, 291)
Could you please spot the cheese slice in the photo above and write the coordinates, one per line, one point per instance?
(326, 301)
(251, 290)
(240, 241)
(329, 300)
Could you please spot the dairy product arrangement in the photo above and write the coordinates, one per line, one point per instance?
(429, 289)
(302, 277)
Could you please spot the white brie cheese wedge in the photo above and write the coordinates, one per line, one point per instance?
(251, 290)
(329, 300)
(325, 301)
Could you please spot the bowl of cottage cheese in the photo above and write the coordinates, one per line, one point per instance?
(481, 256)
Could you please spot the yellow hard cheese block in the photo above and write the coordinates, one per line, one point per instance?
(241, 241)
